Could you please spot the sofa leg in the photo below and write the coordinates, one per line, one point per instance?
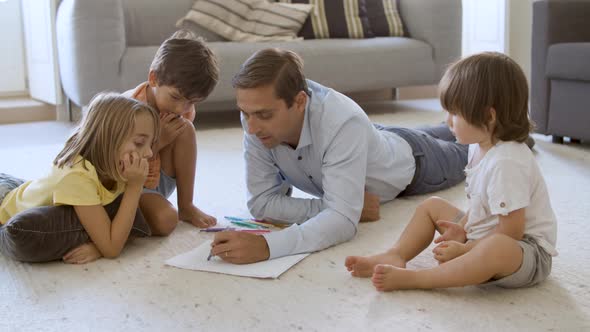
(69, 108)
(557, 139)
(394, 94)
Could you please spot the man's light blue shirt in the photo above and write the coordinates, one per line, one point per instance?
(340, 155)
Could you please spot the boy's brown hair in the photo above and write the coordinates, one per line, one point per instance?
(471, 86)
(281, 68)
(185, 62)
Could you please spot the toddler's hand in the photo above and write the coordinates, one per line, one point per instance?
(83, 254)
(448, 250)
(451, 232)
(135, 169)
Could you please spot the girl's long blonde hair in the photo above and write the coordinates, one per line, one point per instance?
(107, 124)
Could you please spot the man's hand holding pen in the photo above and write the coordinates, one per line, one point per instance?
(239, 247)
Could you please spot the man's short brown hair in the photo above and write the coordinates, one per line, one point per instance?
(185, 62)
(472, 85)
(281, 68)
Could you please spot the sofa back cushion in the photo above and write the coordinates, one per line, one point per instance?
(335, 19)
(150, 22)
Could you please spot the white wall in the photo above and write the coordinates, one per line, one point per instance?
(12, 66)
(499, 25)
(484, 26)
(40, 45)
(520, 27)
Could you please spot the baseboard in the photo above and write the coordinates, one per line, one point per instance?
(405, 93)
(23, 109)
(417, 92)
(374, 95)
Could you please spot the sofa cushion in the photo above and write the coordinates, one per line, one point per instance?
(384, 18)
(569, 61)
(249, 20)
(47, 233)
(335, 19)
(342, 64)
(198, 30)
(145, 23)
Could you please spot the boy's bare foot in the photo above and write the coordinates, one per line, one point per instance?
(363, 267)
(388, 277)
(197, 217)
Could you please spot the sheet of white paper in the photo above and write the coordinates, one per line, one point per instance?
(196, 259)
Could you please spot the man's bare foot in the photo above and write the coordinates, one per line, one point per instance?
(197, 217)
(371, 207)
(363, 267)
(388, 277)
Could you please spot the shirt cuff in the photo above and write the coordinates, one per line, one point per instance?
(283, 242)
(504, 207)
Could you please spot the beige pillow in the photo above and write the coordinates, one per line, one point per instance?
(249, 20)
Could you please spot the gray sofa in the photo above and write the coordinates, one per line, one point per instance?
(560, 71)
(109, 45)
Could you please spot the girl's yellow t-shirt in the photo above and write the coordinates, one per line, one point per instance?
(76, 185)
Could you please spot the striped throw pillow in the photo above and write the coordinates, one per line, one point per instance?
(335, 19)
(384, 18)
(249, 20)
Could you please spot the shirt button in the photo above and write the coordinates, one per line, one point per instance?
(468, 196)
(502, 204)
(299, 158)
(310, 177)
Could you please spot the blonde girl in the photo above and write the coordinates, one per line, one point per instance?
(105, 157)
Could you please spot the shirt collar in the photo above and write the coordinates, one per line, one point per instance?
(305, 137)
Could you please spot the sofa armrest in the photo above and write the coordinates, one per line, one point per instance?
(554, 22)
(438, 23)
(568, 61)
(90, 44)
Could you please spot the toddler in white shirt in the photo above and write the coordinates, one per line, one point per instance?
(507, 237)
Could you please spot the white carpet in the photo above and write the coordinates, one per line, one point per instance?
(137, 292)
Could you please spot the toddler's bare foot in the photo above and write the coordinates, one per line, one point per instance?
(363, 267)
(197, 217)
(388, 277)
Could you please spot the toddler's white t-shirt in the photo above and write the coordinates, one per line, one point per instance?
(507, 179)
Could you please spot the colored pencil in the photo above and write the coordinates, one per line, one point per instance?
(245, 224)
(257, 221)
(254, 231)
(216, 229)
